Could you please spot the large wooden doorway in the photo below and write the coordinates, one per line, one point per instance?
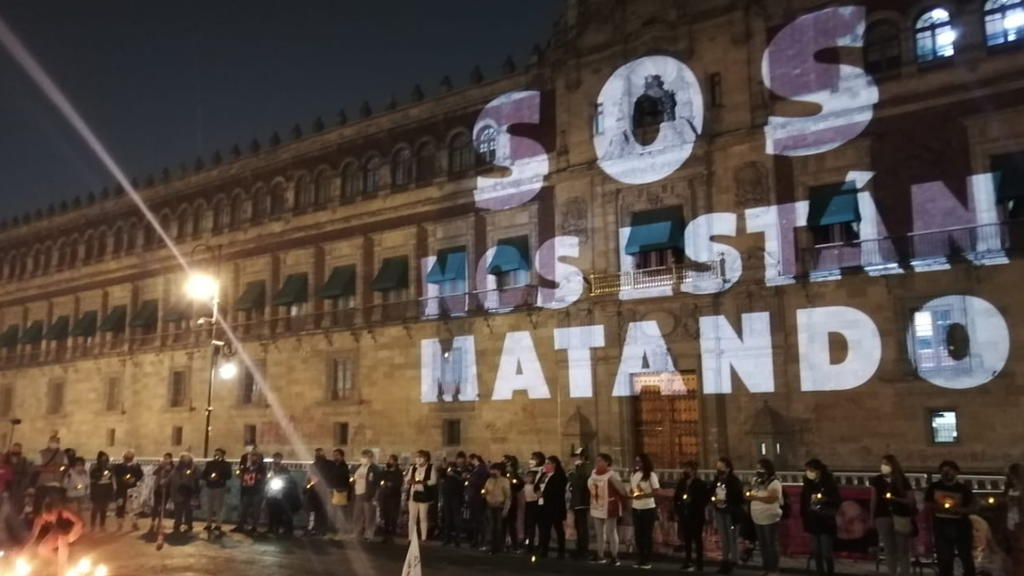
(667, 417)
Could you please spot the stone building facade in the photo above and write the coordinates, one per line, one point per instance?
(360, 268)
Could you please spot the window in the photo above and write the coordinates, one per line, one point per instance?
(112, 395)
(101, 245)
(452, 371)
(510, 263)
(841, 233)
(934, 35)
(341, 380)
(184, 218)
(350, 182)
(177, 436)
(426, 156)
(237, 211)
(1009, 171)
(487, 144)
(513, 279)
(177, 395)
(259, 204)
(111, 437)
(460, 154)
(834, 213)
(55, 397)
(371, 175)
(277, 199)
(882, 48)
(322, 188)
(944, 426)
(303, 193)
(341, 433)
(938, 338)
(652, 108)
(249, 434)
(652, 259)
(1004, 21)
(599, 118)
(249, 389)
(401, 167)
(6, 400)
(451, 432)
(715, 90)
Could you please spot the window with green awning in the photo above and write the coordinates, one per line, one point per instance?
(833, 204)
(510, 254)
(178, 312)
(33, 334)
(294, 290)
(115, 320)
(147, 314)
(9, 339)
(253, 297)
(393, 274)
(85, 326)
(658, 229)
(58, 329)
(450, 265)
(340, 284)
(1009, 173)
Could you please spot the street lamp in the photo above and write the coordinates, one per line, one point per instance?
(203, 287)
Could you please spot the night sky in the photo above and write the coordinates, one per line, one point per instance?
(162, 82)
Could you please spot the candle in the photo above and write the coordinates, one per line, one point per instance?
(819, 496)
(888, 495)
(483, 491)
(106, 473)
(991, 499)
(467, 482)
(188, 472)
(687, 497)
(947, 504)
(714, 498)
(127, 477)
(79, 487)
(214, 475)
(748, 492)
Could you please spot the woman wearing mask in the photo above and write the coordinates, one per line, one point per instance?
(1014, 494)
(184, 484)
(422, 482)
(552, 506)
(727, 497)
(101, 490)
(531, 494)
(644, 482)
(161, 490)
(516, 483)
(606, 495)
(892, 508)
(691, 501)
(390, 497)
(76, 486)
(819, 502)
(765, 497)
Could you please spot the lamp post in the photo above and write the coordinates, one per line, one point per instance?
(206, 288)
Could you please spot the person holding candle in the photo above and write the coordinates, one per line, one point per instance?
(477, 508)
(511, 464)
(127, 474)
(727, 498)
(534, 471)
(552, 506)
(422, 482)
(644, 483)
(497, 495)
(691, 499)
(1013, 493)
(390, 497)
(101, 490)
(161, 490)
(453, 496)
(819, 503)
(76, 486)
(765, 497)
(365, 484)
(892, 508)
(184, 487)
(606, 496)
(215, 478)
(951, 503)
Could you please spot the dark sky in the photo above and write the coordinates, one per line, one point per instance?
(165, 81)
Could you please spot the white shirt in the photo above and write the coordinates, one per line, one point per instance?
(762, 513)
(641, 486)
(361, 479)
(599, 491)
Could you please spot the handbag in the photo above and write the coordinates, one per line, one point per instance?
(339, 498)
(903, 525)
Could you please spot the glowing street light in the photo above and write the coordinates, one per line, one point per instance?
(227, 370)
(202, 287)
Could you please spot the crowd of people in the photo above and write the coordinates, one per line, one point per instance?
(470, 501)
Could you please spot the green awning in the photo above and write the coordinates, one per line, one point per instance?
(393, 274)
(9, 339)
(58, 329)
(658, 229)
(33, 334)
(833, 204)
(294, 290)
(450, 265)
(85, 326)
(253, 297)
(147, 314)
(510, 254)
(115, 319)
(178, 312)
(341, 283)
(1009, 171)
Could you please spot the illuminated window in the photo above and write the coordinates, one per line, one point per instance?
(401, 167)
(882, 54)
(934, 35)
(487, 144)
(944, 426)
(460, 154)
(451, 433)
(452, 371)
(939, 338)
(177, 436)
(341, 381)
(1004, 21)
(350, 181)
(341, 433)
(249, 388)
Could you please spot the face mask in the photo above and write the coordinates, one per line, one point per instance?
(721, 471)
(420, 461)
(364, 461)
(686, 474)
(949, 477)
(53, 445)
(549, 468)
(811, 475)
(760, 473)
(886, 469)
(250, 448)
(533, 463)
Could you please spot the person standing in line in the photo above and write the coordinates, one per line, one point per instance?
(1013, 492)
(727, 497)
(341, 485)
(184, 487)
(252, 478)
(892, 507)
(552, 506)
(643, 484)
(318, 493)
(282, 498)
(691, 501)
(819, 503)
(497, 495)
(215, 478)
(511, 465)
(453, 495)
(531, 493)
(422, 483)
(579, 500)
(390, 497)
(76, 486)
(101, 490)
(366, 484)
(765, 497)
(475, 501)
(21, 477)
(951, 503)
(49, 473)
(606, 496)
(127, 474)
(161, 489)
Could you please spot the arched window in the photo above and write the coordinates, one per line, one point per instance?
(218, 212)
(37, 261)
(101, 244)
(62, 254)
(72, 248)
(322, 188)
(401, 167)
(371, 175)
(426, 158)
(184, 219)
(1004, 21)
(350, 182)
(303, 193)
(22, 265)
(277, 199)
(259, 204)
(165, 222)
(118, 247)
(198, 211)
(148, 236)
(237, 211)
(89, 252)
(487, 144)
(882, 48)
(12, 266)
(934, 35)
(47, 257)
(460, 154)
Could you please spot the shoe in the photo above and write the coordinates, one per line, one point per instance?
(614, 562)
(645, 566)
(692, 569)
(596, 560)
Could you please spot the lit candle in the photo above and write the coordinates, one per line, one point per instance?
(467, 482)
(748, 492)
(79, 487)
(991, 499)
(214, 475)
(714, 498)
(888, 495)
(381, 482)
(106, 473)
(947, 504)
(687, 497)
(819, 496)
(188, 472)
(127, 477)
(484, 491)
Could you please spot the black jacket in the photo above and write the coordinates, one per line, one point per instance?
(342, 481)
(691, 500)
(391, 481)
(127, 475)
(216, 473)
(454, 483)
(287, 492)
(734, 501)
(819, 503)
(554, 495)
(251, 476)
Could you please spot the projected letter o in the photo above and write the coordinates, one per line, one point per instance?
(642, 89)
(982, 341)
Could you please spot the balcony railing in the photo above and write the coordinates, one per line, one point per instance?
(479, 302)
(662, 277)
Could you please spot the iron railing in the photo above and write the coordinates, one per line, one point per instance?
(665, 276)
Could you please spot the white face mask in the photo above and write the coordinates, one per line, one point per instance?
(886, 469)
(420, 461)
(250, 448)
(364, 461)
(812, 475)
(53, 445)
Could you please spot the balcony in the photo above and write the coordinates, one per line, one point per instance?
(665, 276)
(479, 302)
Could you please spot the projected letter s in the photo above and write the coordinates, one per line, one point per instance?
(845, 93)
(526, 158)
